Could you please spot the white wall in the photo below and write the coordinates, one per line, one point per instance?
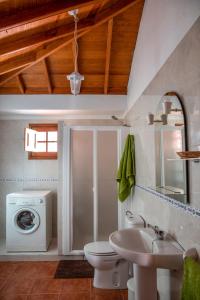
(164, 23)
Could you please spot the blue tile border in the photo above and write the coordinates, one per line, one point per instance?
(24, 179)
(186, 208)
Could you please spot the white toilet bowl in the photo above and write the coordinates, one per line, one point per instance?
(110, 269)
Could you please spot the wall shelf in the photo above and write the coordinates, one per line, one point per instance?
(197, 160)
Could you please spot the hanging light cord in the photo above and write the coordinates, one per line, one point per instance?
(75, 43)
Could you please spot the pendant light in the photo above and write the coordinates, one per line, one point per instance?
(75, 78)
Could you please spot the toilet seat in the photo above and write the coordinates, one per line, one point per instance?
(102, 248)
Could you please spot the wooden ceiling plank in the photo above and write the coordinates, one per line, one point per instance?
(26, 16)
(54, 46)
(18, 42)
(39, 54)
(119, 7)
(47, 75)
(21, 84)
(12, 45)
(10, 75)
(17, 62)
(108, 53)
(95, 9)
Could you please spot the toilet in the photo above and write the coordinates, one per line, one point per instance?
(111, 271)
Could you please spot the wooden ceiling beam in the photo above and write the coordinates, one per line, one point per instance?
(26, 16)
(114, 10)
(46, 50)
(11, 74)
(31, 57)
(96, 8)
(19, 42)
(21, 84)
(17, 62)
(108, 53)
(47, 75)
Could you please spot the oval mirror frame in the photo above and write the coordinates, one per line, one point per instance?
(172, 174)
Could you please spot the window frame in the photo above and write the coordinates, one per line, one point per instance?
(44, 127)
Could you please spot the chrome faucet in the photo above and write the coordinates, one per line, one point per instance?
(159, 233)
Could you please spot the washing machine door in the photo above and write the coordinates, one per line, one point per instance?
(26, 220)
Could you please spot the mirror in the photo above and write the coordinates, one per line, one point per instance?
(170, 138)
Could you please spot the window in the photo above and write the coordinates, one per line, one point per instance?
(43, 139)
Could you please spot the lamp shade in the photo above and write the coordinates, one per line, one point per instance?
(75, 79)
(167, 105)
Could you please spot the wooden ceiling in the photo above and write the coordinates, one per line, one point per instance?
(36, 38)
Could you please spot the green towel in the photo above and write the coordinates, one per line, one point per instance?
(191, 280)
(126, 171)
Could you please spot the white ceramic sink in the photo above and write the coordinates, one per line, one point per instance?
(147, 253)
(141, 247)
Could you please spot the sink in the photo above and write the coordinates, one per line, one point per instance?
(147, 253)
(141, 247)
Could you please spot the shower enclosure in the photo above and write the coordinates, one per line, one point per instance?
(89, 208)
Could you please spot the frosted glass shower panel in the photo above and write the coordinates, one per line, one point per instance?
(82, 183)
(107, 188)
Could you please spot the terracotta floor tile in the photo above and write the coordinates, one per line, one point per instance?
(107, 296)
(34, 281)
(35, 269)
(73, 285)
(7, 269)
(2, 283)
(75, 296)
(16, 286)
(47, 286)
(124, 294)
(14, 297)
(101, 294)
(43, 297)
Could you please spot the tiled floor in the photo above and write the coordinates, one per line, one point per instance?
(35, 281)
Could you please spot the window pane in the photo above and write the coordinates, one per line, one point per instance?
(41, 147)
(52, 147)
(52, 136)
(41, 136)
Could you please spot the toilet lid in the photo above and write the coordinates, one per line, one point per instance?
(99, 248)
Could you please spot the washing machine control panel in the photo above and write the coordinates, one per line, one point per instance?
(27, 202)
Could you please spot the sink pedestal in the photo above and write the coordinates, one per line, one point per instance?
(145, 283)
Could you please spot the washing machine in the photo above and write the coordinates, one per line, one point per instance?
(28, 221)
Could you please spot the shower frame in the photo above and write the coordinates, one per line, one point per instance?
(65, 201)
